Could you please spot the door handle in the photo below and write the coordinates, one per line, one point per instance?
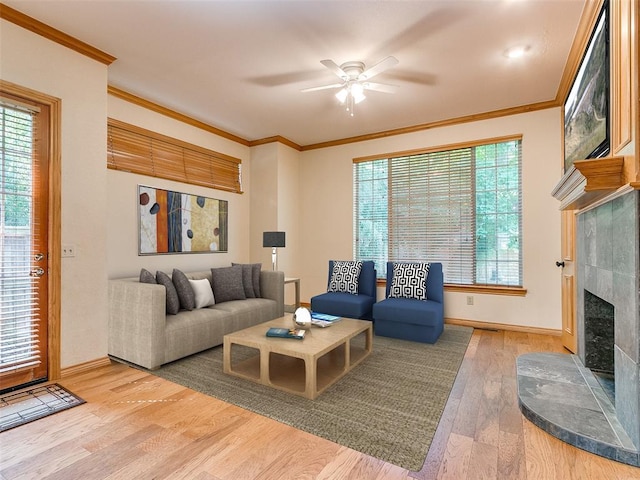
(559, 264)
(38, 272)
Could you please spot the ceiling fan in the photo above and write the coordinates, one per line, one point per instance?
(355, 80)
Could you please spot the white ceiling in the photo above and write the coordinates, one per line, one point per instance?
(240, 65)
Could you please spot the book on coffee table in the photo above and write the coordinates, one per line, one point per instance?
(286, 333)
(323, 319)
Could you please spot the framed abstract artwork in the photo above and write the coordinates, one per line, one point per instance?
(174, 222)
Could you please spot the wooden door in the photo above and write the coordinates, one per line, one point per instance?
(567, 263)
(24, 259)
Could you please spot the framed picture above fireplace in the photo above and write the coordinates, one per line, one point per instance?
(586, 109)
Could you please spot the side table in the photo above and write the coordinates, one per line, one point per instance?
(296, 282)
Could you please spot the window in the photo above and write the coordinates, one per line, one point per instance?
(23, 269)
(459, 206)
(136, 150)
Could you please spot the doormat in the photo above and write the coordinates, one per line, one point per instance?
(18, 408)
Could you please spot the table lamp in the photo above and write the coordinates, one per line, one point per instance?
(273, 240)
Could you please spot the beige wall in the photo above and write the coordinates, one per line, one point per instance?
(31, 61)
(264, 200)
(121, 219)
(308, 195)
(275, 207)
(326, 219)
(289, 209)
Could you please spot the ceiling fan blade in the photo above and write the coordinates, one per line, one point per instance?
(333, 66)
(379, 87)
(378, 68)
(323, 87)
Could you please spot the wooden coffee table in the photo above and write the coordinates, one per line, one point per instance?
(304, 367)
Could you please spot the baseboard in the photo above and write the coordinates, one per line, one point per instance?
(503, 326)
(492, 326)
(84, 367)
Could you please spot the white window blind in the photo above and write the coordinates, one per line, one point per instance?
(19, 312)
(459, 206)
(431, 214)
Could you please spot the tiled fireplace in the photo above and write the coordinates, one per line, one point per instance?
(608, 282)
(564, 394)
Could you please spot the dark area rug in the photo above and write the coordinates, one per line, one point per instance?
(18, 408)
(388, 407)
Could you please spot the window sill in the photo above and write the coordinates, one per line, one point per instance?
(487, 289)
(479, 289)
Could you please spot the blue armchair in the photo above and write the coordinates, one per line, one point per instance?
(349, 305)
(410, 318)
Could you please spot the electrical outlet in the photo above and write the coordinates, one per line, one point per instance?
(469, 299)
(68, 250)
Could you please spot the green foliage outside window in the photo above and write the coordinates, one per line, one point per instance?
(15, 155)
(461, 207)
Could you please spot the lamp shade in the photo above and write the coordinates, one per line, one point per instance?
(273, 239)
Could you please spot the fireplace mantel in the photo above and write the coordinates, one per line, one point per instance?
(588, 181)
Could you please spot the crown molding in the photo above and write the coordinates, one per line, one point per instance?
(149, 105)
(276, 138)
(129, 97)
(440, 123)
(29, 23)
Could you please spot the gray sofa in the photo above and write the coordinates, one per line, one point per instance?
(141, 332)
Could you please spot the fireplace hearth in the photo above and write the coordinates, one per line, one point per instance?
(592, 400)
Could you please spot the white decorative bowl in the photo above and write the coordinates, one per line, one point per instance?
(302, 318)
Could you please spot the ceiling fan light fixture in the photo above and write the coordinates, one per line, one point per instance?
(357, 92)
(342, 95)
(355, 80)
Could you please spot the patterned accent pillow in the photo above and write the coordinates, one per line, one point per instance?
(203, 293)
(227, 283)
(344, 276)
(147, 277)
(173, 302)
(409, 280)
(183, 287)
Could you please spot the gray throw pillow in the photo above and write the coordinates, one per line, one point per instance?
(147, 277)
(173, 302)
(227, 283)
(247, 279)
(184, 289)
(256, 267)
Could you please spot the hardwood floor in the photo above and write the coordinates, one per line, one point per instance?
(137, 426)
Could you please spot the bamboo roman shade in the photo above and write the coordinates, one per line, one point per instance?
(136, 150)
